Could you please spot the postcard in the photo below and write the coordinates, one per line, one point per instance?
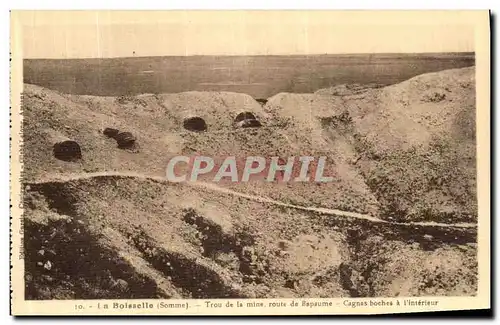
(249, 162)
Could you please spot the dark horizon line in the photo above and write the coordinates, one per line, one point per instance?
(256, 55)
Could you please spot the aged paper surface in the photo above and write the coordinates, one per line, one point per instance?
(374, 126)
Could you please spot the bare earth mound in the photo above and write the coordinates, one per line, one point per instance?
(404, 157)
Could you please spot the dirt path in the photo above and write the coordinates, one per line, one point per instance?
(213, 187)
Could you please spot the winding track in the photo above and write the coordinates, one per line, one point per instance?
(213, 187)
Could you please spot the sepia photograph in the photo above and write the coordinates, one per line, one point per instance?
(249, 161)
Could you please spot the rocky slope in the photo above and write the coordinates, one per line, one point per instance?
(402, 153)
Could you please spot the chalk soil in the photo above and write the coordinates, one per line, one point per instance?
(403, 153)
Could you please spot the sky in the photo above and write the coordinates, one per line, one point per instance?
(107, 34)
